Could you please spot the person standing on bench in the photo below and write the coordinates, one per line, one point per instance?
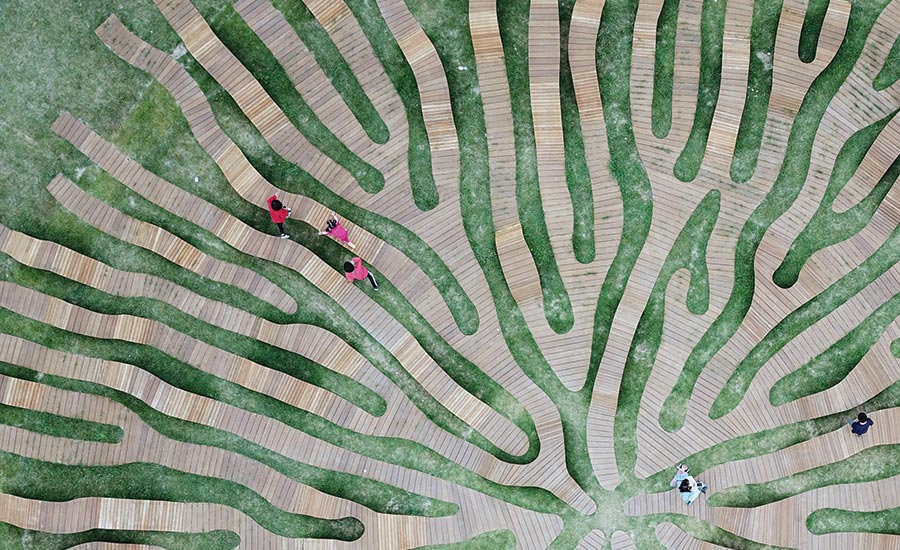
(278, 212)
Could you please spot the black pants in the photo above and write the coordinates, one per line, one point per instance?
(280, 227)
(372, 280)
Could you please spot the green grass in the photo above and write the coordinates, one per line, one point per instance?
(782, 195)
(380, 497)
(816, 11)
(256, 57)
(872, 464)
(578, 177)
(398, 70)
(834, 520)
(712, 534)
(13, 537)
(763, 31)
(501, 539)
(712, 32)
(59, 426)
(40, 480)
(512, 17)
(329, 58)
(664, 69)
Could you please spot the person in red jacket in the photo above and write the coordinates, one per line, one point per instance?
(334, 229)
(356, 271)
(278, 212)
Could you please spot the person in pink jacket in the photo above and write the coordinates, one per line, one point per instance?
(334, 229)
(356, 271)
(278, 212)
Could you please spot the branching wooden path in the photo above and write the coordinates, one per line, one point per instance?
(579, 308)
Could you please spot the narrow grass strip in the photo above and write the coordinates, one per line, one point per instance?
(398, 70)
(688, 252)
(59, 426)
(827, 227)
(835, 520)
(12, 536)
(284, 174)
(782, 195)
(664, 69)
(578, 176)
(512, 17)
(816, 10)
(329, 58)
(375, 495)
(501, 539)
(872, 464)
(36, 479)
(712, 32)
(238, 37)
(713, 534)
(763, 31)
(890, 72)
(281, 360)
(830, 367)
(392, 450)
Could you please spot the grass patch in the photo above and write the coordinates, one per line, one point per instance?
(782, 195)
(501, 539)
(872, 464)
(329, 58)
(712, 32)
(763, 31)
(240, 39)
(398, 70)
(712, 534)
(664, 69)
(40, 480)
(578, 177)
(827, 227)
(816, 11)
(834, 520)
(512, 18)
(380, 497)
(12, 536)
(59, 426)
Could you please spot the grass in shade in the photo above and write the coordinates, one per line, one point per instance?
(12, 537)
(812, 28)
(664, 69)
(782, 195)
(578, 177)
(763, 31)
(512, 18)
(36, 479)
(59, 426)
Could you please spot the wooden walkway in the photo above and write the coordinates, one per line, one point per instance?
(441, 228)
